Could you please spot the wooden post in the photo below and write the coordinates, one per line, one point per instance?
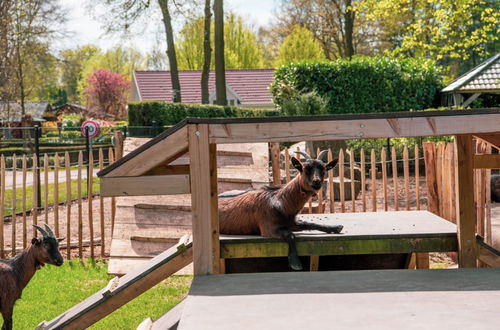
(430, 177)
(465, 201)
(363, 178)
(341, 180)
(101, 207)
(417, 177)
(14, 205)
(203, 171)
(118, 135)
(383, 160)
(406, 172)
(111, 160)
(331, 190)
(275, 163)
(46, 187)
(2, 204)
(373, 159)
(351, 173)
(34, 213)
(80, 211)
(287, 165)
(395, 178)
(23, 201)
(67, 167)
(90, 180)
(56, 194)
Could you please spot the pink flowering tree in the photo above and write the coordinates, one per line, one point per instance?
(107, 92)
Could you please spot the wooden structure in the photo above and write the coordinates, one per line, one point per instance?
(199, 138)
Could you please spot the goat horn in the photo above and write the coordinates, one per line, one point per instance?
(49, 231)
(322, 155)
(303, 154)
(41, 230)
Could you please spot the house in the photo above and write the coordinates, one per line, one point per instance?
(69, 108)
(484, 78)
(245, 87)
(11, 112)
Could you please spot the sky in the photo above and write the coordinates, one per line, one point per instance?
(85, 29)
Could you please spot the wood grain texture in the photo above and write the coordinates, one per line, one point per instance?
(145, 185)
(275, 163)
(487, 161)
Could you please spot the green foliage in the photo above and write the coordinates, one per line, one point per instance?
(163, 114)
(298, 46)
(362, 84)
(304, 104)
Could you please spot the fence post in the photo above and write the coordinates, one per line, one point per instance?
(37, 169)
(87, 148)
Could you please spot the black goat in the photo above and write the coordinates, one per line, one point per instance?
(15, 273)
(271, 211)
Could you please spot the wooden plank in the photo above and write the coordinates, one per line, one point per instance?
(101, 209)
(465, 201)
(56, 194)
(145, 185)
(275, 163)
(169, 170)
(90, 197)
(314, 263)
(491, 138)
(417, 176)
(422, 260)
(14, 204)
(487, 161)
(23, 201)
(406, 173)
(373, 178)
(395, 177)
(79, 199)
(383, 156)
(309, 202)
(67, 166)
(160, 153)
(430, 177)
(111, 159)
(34, 211)
(46, 187)
(351, 169)
(287, 165)
(2, 205)
(341, 179)
(363, 178)
(204, 201)
(487, 254)
(269, 130)
(331, 190)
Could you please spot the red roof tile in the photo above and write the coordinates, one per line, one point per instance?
(252, 85)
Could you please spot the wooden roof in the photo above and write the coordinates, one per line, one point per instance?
(174, 142)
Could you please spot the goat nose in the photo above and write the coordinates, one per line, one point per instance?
(316, 181)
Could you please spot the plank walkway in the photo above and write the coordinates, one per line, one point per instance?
(388, 299)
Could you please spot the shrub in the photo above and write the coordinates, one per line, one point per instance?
(151, 113)
(304, 104)
(362, 84)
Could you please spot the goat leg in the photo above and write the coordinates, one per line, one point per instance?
(7, 319)
(293, 258)
(303, 225)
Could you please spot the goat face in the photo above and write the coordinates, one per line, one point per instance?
(312, 172)
(47, 248)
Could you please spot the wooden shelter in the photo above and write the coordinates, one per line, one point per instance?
(147, 171)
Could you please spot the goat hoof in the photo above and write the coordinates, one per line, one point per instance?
(295, 264)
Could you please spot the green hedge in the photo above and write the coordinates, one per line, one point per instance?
(362, 84)
(162, 114)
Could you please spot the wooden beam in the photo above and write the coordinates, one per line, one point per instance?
(487, 254)
(491, 138)
(203, 161)
(162, 152)
(145, 185)
(353, 128)
(169, 170)
(488, 161)
(466, 215)
(275, 163)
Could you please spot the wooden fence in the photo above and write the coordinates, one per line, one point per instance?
(71, 206)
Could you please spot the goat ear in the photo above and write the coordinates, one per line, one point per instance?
(297, 164)
(36, 241)
(60, 239)
(331, 164)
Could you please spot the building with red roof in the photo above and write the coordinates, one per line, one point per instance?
(245, 87)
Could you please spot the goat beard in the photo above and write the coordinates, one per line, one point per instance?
(39, 265)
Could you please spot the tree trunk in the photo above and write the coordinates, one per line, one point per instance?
(349, 30)
(172, 57)
(220, 71)
(207, 54)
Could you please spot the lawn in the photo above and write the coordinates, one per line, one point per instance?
(55, 289)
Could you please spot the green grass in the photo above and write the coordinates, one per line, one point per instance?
(51, 186)
(53, 290)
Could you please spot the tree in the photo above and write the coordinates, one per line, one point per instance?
(207, 54)
(299, 45)
(220, 70)
(107, 92)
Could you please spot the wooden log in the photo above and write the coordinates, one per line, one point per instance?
(101, 209)
(206, 252)
(406, 173)
(395, 178)
(2, 204)
(373, 159)
(275, 163)
(363, 178)
(465, 201)
(287, 165)
(80, 210)
(56, 194)
(341, 180)
(430, 177)
(14, 204)
(46, 187)
(67, 167)
(353, 190)
(331, 190)
(90, 209)
(383, 157)
(23, 201)
(417, 177)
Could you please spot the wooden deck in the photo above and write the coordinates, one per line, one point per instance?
(388, 299)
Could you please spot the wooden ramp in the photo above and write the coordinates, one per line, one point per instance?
(121, 290)
(388, 299)
(147, 225)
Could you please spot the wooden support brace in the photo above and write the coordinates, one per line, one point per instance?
(487, 254)
(314, 263)
(488, 161)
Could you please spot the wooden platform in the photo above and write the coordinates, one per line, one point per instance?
(389, 299)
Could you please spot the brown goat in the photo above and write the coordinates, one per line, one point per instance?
(15, 273)
(271, 211)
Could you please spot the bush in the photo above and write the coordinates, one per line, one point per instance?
(154, 113)
(304, 104)
(362, 84)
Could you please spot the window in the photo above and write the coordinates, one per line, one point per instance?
(231, 102)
